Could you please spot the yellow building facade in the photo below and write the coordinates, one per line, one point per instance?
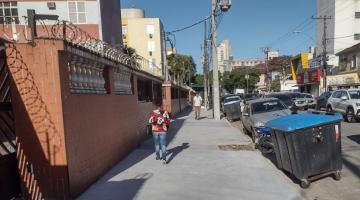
(146, 36)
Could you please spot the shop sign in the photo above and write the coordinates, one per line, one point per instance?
(344, 79)
(312, 76)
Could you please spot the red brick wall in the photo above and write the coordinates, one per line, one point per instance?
(70, 140)
(100, 130)
(36, 100)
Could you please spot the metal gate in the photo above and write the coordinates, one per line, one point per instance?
(9, 181)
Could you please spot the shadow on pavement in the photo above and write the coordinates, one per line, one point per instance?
(350, 165)
(176, 150)
(147, 147)
(127, 189)
(124, 189)
(355, 138)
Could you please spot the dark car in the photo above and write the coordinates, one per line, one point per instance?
(285, 98)
(321, 101)
(250, 96)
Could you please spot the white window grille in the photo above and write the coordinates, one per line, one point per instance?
(152, 63)
(77, 12)
(151, 46)
(150, 28)
(9, 13)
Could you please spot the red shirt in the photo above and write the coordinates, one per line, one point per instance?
(159, 121)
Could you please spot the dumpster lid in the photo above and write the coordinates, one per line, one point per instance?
(294, 122)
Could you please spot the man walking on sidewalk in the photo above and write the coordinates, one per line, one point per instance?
(159, 121)
(197, 105)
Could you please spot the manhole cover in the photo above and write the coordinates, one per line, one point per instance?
(236, 147)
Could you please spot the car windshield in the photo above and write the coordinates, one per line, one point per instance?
(267, 106)
(305, 96)
(250, 96)
(294, 95)
(229, 99)
(355, 94)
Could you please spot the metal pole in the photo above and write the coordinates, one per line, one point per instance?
(216, 92)
(324, 43)
(205, 66)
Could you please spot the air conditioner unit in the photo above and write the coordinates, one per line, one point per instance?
(51, 5)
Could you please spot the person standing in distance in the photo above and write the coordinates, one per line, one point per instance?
(197, 101)
(159, 121)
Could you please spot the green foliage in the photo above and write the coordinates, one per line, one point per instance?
(236, 79)
(181, 65)
(276, 85)
(199, 79)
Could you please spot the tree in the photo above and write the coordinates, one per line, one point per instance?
(236, 79)
(281, 63)
(181, 66)
(198, 79)
(136, 58)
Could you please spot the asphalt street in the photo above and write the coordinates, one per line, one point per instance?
(348, 188)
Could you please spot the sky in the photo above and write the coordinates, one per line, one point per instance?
(248, 25)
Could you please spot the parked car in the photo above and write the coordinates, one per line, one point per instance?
(303, 101)
(259, 111)
(227, 99)
(250, 96)
(322, 100)
(346, 102)
(309, 99)
(285, 98)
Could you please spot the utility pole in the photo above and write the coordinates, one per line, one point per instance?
(324, 44)
(216, 92)
(266, 51)
(206, 67)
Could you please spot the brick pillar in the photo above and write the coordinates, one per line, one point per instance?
(167, 96)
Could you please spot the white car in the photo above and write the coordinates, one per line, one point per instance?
(346, 102)
(305, 101)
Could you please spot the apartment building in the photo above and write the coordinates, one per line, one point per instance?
(146, 36)
(224, 56)
(343, 29)
(97, 17)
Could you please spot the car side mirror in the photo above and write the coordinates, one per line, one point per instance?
(344, 98)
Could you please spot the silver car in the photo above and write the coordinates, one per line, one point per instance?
(304, 101)
(346, 102)
(257, 112)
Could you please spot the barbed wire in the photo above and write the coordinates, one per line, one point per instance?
(69, 32)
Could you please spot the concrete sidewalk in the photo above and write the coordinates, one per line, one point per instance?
(197, 168)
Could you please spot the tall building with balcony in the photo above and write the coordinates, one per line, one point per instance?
(224, 56)
(99, 18)
(343, 29)
(146, 36)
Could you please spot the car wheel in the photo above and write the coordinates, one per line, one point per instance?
(349, 116)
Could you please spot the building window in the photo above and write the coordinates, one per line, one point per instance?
(124, 31)
(357, 15)
(151, 46)
(150, 53)
(353, 62)
(77, 12)
(357, 36)
(9, 13)
(150, 30)
(152, 62)
(144, 88)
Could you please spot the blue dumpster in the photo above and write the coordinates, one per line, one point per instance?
(308, 145)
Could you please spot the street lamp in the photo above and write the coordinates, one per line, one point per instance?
(247, 82)
(303, 33)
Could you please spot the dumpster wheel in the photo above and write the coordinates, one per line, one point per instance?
(304, 183)
(337, 175)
